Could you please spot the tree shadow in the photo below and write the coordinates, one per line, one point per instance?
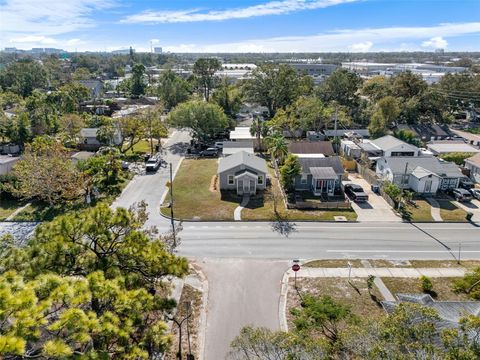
(283, 226)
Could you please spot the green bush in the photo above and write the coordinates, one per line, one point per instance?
(457, 157)
(427, 286)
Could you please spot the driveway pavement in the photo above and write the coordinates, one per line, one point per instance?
(151, 187)
(241, 292)
(473, 207)
(376, 209)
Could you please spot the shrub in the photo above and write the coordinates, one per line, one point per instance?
(427, 286)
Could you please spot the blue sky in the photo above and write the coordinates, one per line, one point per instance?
(242, 25)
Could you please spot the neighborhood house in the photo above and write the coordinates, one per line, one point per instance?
(242, 172)
(424, 174)
(391, 147)
(473, 164)
(311, 148)
(321, 176)
(232, 147)
(91, 142)
(448, 146)
(6, 163)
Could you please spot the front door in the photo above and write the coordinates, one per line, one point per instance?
(428, 186)
(239, 187)
(246, 187)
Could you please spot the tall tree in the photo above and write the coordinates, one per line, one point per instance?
(138, 84)
(342, 87)
(228, 97)
(277, 147)
(204, 71)
(155, 127)
(273, 86)
(22, 77)
(46, 173)
(205, 120)
(172, 89)
(289, 170)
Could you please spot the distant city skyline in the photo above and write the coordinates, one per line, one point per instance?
(241, 25)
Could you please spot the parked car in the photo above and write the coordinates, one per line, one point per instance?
(461, 195)
(355, 192)
(466, 183)
(153, 163)
(219, 145)
(210, 152)
(475, 193)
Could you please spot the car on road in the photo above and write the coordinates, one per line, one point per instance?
(210, 152)
(466, 183)
(461, 195)
(219, 145)
(475, 193)
(153, 163)
(355, 192)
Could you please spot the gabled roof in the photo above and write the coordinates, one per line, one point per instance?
(441, 168)
(242, 158)
(388, 142)
(311, 147)
(451, 146)
(325, 162)
(420, 172)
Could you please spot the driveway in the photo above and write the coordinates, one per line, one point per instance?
(241, 292)
(473, 207)
(151, 187)
(376, 209)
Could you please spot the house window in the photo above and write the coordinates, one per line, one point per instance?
(231, 180)
(303, 179)
(260, 180)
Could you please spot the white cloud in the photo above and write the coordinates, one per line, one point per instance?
(361, 46)
(38, 21)
(155, 41)
(436, 42)
(340, 40)
(279, 7)
(34, 39)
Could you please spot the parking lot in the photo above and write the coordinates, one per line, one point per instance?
(376, 209)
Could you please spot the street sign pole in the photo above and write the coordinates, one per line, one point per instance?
(295, 268)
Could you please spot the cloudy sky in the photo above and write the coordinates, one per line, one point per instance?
(242, 25)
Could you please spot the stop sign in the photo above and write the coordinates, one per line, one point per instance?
(295, 267)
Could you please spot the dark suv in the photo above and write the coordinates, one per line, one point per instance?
(466, 183)
(461, 195)
(355, 192)
(210, 152)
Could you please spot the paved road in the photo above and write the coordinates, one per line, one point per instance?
(251, 299)
(151, 187)
(330, 240)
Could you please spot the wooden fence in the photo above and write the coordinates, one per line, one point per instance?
(369, 175)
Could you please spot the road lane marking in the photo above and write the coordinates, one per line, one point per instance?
(400, 251)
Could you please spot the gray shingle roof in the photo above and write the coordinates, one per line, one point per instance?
(242, 158)
(331, 162)
(388, 141)
(342, 132)
(475, 160)
(433, 164)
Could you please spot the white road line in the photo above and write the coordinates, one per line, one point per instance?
(398, 251)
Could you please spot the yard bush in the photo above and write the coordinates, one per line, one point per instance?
(290, 169)
(393, 191)
(427, 285)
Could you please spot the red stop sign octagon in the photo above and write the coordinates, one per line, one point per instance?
(295, 267)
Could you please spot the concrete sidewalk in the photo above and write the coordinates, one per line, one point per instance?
(379, 272)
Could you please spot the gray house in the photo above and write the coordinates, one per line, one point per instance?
(243, 172)
(90, 142)
(321, 176)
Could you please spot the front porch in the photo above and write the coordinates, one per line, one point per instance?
(324, 181)
(246, 183)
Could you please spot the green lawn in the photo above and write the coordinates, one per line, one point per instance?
(142, 147)
(7, 207)
(449, 212)
(192, 194)
(194, 198)
(420, 212)
(263, 209)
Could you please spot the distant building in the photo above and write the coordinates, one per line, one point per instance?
(122, 51)
(318, 72)
(157, 50)
(95, 87)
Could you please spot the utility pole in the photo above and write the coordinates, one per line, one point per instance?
(171, 208)
(179, 323)
(336, 135)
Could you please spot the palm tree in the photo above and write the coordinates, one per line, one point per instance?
(259, 129)
(277, 147)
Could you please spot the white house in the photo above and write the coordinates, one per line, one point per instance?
(447, 146)
(422, 174)
(6, 163)
(232, 147)
(242, 172)
(391, 147)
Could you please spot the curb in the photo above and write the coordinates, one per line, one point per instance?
(203, 315)
(282, 305)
